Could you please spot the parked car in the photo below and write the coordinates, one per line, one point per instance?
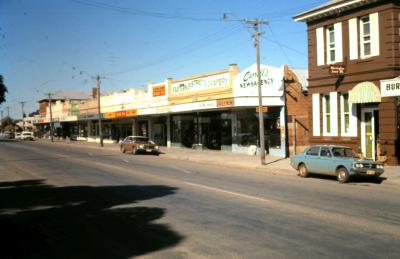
(342, 162)
(8, 135)
(139, 144)
(17, 135)
(27, 135)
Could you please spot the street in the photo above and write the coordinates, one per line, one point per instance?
(64, 201)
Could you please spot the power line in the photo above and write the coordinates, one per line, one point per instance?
(283, 45)
(142, 13)
(280, 45)
(194, 46)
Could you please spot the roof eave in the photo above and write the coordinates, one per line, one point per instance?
(328, 10)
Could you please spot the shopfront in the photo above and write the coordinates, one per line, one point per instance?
(390, 129)
(210, 130)
(246, 118)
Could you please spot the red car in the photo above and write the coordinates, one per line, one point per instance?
(139, 144)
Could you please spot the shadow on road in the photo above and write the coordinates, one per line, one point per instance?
(359, 179)
(43, 221)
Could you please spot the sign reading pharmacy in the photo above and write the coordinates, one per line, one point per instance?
(390, 87)
(198, 84)
(246, 82)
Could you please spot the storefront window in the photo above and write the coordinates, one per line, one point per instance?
(183, 130)
(247, 128)
(159, 132)
(273, 127)
(93, 129)
(210, 130)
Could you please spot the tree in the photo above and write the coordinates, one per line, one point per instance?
(7, 124)
(3, 90)
(33, 113)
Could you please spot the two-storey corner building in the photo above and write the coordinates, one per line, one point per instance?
(354, 68)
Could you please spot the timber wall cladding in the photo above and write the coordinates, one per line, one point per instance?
(388, 127)
(297, 106)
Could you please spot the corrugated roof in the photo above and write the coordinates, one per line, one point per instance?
(302, 76)
(68, 95)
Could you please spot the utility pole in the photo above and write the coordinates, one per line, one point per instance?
(98, 109)
(1, 121)
(51, 118)
(8, 111)
(23, 114)
(256, 23)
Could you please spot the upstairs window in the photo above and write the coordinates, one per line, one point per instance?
(365, 36)
(330, 46)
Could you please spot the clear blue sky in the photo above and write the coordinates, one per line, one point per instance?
(44, 44)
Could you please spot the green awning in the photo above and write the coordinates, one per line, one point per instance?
(365, 92)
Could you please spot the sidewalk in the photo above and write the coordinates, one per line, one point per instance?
(273, 164)
(206, 156)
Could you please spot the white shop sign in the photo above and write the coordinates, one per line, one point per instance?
(246, 82)
(194, 106)
(69, 118)
(154, 110)
(199, 84)
(390, 87)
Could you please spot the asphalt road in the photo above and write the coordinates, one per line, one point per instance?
(76, 202)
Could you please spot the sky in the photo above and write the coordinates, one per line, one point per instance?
(55, 45)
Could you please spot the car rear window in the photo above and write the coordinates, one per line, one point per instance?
(344, 152)
(313, 151)
(141, 140)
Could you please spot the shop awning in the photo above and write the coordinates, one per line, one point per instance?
(365, 92)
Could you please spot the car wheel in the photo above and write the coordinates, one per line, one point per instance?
(342, 175)
(303, 171)
(122, 149)
(135, 151)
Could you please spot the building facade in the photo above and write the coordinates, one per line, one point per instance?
(353, 56)
(215, 110)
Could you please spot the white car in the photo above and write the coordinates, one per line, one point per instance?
(17, 135)
(27, 135)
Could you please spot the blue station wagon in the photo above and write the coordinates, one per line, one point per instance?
(342, 162)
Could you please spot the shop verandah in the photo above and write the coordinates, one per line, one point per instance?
(234, 130)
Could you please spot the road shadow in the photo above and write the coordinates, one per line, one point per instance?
(43, 221)
(353, 180)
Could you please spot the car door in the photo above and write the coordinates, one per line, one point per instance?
(127, 143)
(311, 158)
(326, 162)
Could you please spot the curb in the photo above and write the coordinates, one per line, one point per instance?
(271, 167)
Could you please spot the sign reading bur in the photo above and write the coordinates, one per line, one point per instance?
(390, 87)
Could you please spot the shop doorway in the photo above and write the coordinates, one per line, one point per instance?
(369, 132)
(143, 128)
(160, 134)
